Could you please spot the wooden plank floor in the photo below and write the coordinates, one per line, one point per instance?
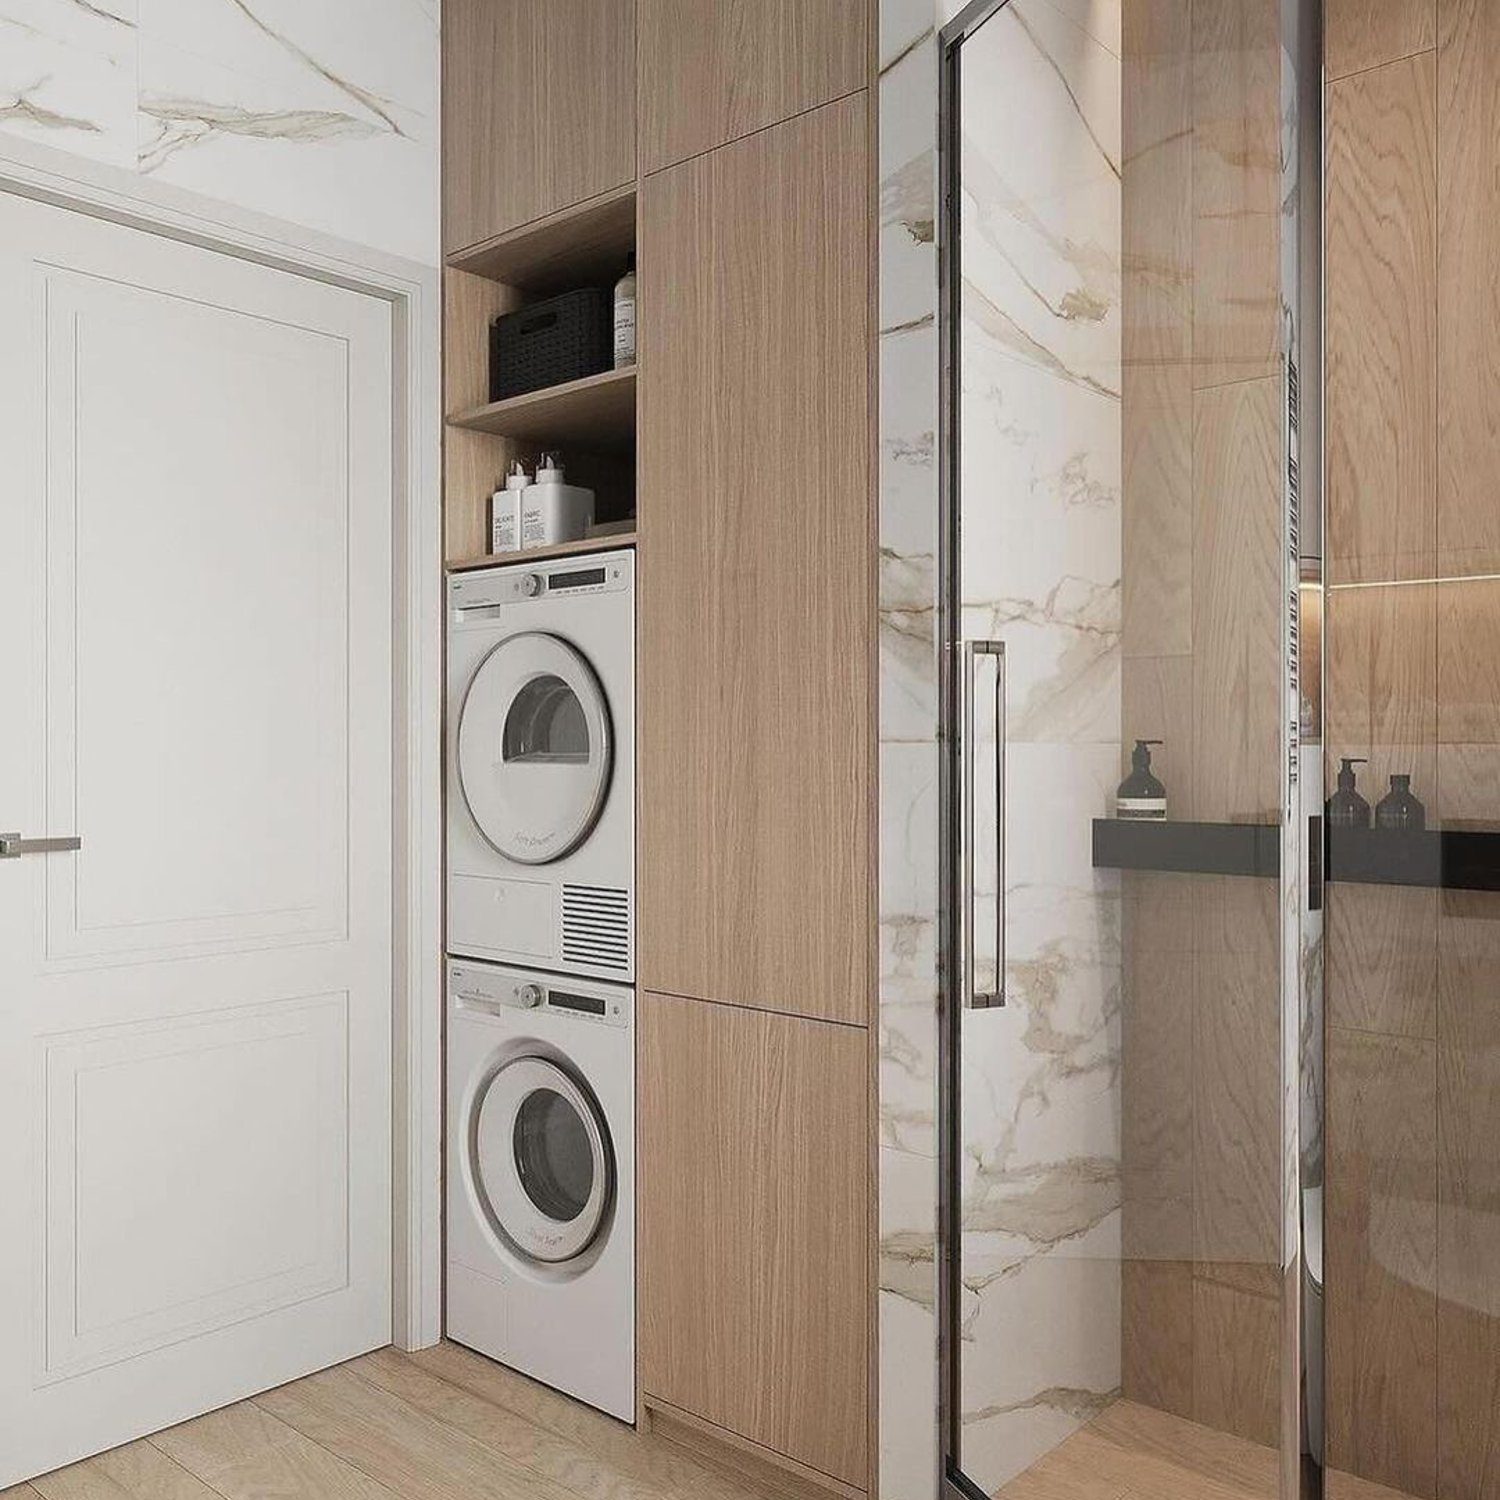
(443, 1424)
(447, 1425)
(1132, 1452)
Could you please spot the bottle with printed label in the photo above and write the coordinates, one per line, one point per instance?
(1141, 795)
(505, 510)
(553, 511)
(625, 316)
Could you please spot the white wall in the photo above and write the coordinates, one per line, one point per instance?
(320, 112)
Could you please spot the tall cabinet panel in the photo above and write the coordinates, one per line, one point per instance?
(754, 1242)
(713, 73)
(538, 110)
(757, 612)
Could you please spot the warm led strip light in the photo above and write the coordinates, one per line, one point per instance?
(1407, 583)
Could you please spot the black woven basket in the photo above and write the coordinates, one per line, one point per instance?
(549, 343)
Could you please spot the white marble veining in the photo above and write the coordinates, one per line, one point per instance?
(1040, 1188)
(320, 112)
(1041, 471)
(908, 1456)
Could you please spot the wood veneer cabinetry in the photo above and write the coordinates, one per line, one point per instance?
(713, 73)
(754, 1227)
(757, 611)
(538, 110)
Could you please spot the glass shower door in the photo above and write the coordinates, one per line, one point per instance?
(1120, 564)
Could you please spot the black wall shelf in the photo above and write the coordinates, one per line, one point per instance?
(1453, 858)
(1456, 859)
(1187, 848)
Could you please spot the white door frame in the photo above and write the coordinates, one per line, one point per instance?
(414, 293)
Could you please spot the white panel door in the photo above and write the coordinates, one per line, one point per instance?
(195, 680)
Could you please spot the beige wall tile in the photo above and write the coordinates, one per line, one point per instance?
(1237, 591)
(1381, 311)
(1381, 1234)
(1469, 1196)
(1236, 1342)
(1468, 273)
(1382, 958)
(1236, 190)
(1362, 34)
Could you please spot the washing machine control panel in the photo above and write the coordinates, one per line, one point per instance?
(493, 992)
(474, 597)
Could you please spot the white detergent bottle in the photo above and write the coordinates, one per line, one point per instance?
(552, 511)
(505, 510)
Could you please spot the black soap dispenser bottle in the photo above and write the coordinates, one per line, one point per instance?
(1141, 794)
(1399, 809)
(1346, 808)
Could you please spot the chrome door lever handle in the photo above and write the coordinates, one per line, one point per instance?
(13, 846)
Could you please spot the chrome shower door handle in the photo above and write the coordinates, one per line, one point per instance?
(13, 846)
(974, 997)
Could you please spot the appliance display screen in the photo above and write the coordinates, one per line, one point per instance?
(579, 580)
(592, 1005)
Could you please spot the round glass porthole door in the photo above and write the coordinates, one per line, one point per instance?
(534, 748)
(541, 1160)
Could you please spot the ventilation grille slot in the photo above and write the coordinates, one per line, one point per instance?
(596, 927)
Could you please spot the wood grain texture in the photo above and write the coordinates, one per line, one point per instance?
(138, 1471)
(538, 110)
(595, 412)
(1341, 1486)
(1382, 958)
(419, 1424)
(1156, 328)
(1468, 663)
(1131, 1452)
(1361, 34)
(1468, 286)
(1381, 1232)
(1236, 190)
(472, 461)
(1156, 1306)
(753, 1222)
(1236, 1077)
(1468, 1087)
(756, 594)
(1382, 684)
(777, 1477)
(1236, 1360)
(1237, 591)
(713, 73)
(1381, 300)
(583, 244)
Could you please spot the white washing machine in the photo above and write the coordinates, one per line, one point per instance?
(541, 1178)
(541, 765)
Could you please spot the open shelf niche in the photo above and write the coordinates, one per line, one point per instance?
(589, 422)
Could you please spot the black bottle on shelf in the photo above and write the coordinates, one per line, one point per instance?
(1141, 794)
(1399, 809)
(1346, 808)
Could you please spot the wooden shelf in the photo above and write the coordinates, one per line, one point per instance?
(580, 246)
(545, 554)
(596, 413)
(1187, 848)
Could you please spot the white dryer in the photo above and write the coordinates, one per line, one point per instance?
(541, 764)
(541, 1178)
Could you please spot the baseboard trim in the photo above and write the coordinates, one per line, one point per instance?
(778, 1475)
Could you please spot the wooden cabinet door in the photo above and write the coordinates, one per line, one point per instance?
(754, 1226)
(538, 109)
(757, 608)
(713, 73)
